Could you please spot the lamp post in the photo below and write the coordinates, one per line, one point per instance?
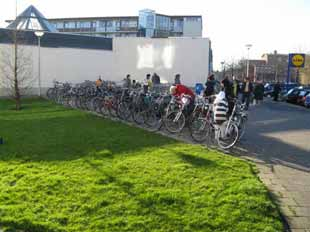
(248, 46)
(39, 34)
(223, 68)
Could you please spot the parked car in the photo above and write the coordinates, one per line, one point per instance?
(307, 100)
(292, 95)
(268, 90)
(302, 96)
(285, 87)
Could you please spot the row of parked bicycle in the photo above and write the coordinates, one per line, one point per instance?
(154, 110)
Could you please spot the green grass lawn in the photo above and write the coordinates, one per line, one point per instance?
(65, 170)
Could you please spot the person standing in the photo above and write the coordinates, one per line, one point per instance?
(147, 84)
(247, 89)
(127, 81)
(228, 89)
(209, 86)
(177, 79)
(276, 91)
(236, 87)
(98, 84)
(258, 92)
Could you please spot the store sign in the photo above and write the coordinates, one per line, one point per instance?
(297, 60)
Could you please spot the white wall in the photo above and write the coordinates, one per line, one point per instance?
(166, 57)
(136, 56)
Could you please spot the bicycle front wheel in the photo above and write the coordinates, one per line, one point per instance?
(228, 136)
(153, 120)
(175, 122)
(199, 129)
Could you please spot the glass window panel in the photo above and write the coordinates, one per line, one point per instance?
(125, 23)
(60, 25)
(85, 24)
(34, 24)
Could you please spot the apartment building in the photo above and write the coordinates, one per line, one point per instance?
(147, 24)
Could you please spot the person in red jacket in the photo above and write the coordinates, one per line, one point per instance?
(181, 90)
(186, 95)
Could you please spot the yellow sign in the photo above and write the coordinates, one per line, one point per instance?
(298, 60)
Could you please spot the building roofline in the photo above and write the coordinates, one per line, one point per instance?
(93, 18)
(179, 16)
(116, 17)
(109, 17)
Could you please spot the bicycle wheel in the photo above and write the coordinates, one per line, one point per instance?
(228, 136)
(95, 104)
(153, 120)
(138, 115)
(175, 121)
(50, 94)
(113, 108)
(199, 129)
(104, 110)
(241, 126)
(124, 111)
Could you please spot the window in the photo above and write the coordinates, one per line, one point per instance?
(133, 23)
(85, 24)
(117, 25)
(70, 25)
(60, 25)
(101, 24)
(125, 23)
(193, 19)
(150, 21)
(110, 26)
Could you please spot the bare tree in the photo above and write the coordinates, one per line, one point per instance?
(16, 69)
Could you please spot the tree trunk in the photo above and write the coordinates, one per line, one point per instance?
(16, 87)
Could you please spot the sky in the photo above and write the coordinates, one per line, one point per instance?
(268, 25)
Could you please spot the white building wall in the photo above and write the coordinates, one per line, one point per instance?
(167, 57)
(136, 56)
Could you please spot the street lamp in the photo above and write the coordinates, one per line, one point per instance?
(39, 34)
(248, 46)
(223, 68)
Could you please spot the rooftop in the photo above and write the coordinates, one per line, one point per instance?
(32, 19)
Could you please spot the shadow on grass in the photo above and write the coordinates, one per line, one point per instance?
(195, 160)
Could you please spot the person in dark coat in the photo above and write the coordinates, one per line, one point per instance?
(247, 89)
(177, 79)
(228, 89)
(156, 79)
(276, 91)
(258, 92)
(209, 86)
